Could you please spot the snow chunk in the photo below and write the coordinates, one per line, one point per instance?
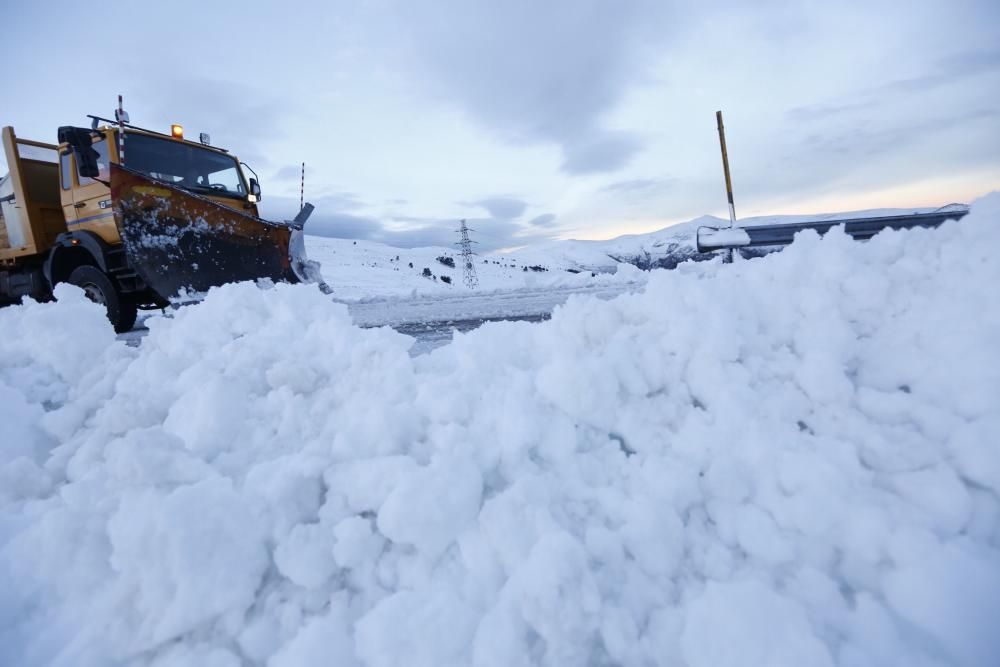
(306, 555)
(747, 623)
(184, 558)
(951, 593)
(429, 507)
(323, 640)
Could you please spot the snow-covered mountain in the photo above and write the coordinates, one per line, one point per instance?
(667, 247)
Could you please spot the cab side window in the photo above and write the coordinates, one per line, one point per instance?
(103, 165)
(65, 172)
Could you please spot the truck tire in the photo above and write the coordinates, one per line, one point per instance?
(99, 289)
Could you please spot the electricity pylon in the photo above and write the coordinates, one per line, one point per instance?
(469, 276)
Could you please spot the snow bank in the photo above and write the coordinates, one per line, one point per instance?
(786, 461)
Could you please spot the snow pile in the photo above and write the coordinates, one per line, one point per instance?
(786, 461)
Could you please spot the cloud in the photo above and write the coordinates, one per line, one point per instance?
(493, 234)
(946, 71)
(334, 215)
(334, 201)
(865, 142)
(543, 220)
(341, 201)
(814, 112)
(942, 121)
(343, 225)
(501, 207)
(488, 233)
(885, 151)
(403, 231)
(640, 187)
(234, 113)
(606, 151)
(538, 72)
(291, 172)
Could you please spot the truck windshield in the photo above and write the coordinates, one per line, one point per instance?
(198, 169)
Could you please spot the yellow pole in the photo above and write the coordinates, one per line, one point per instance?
(725, 168)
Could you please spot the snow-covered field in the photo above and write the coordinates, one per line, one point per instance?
(368, 271)
(785, 461)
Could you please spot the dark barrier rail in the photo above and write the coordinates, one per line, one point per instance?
(713, 238)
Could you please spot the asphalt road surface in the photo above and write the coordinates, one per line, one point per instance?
(432, 321)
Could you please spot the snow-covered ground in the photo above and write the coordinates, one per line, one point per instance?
(366, 271)
(784, 461)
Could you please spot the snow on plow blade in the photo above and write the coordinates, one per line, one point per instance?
(181, 243)
(860, 229)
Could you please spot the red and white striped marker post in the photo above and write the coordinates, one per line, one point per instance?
(121, 133)
(302, 188)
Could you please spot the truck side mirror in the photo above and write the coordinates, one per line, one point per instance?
(86, 161)
(255, 188)
(82, 143)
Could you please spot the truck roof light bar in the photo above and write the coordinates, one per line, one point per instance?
(101, 119)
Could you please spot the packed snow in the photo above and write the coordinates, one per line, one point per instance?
(724, 238)
(790, 460)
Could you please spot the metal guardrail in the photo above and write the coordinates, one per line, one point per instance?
(861, 229)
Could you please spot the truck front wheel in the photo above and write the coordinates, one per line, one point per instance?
(99, 289)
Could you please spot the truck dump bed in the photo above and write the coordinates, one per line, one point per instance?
(31, 213)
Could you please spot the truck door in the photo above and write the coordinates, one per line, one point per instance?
(92, 199)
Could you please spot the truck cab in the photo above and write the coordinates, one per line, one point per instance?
(205, 170)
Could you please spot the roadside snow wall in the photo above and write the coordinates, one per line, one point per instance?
(786, 461)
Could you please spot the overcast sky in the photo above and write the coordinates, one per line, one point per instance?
(537, 119)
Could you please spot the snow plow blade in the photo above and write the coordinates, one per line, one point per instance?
(181, 244)
(860, 229)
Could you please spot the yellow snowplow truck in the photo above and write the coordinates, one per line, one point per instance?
(177, 218)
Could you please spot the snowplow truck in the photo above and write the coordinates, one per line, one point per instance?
(177, 218)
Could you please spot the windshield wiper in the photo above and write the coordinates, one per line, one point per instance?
(211, 191)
